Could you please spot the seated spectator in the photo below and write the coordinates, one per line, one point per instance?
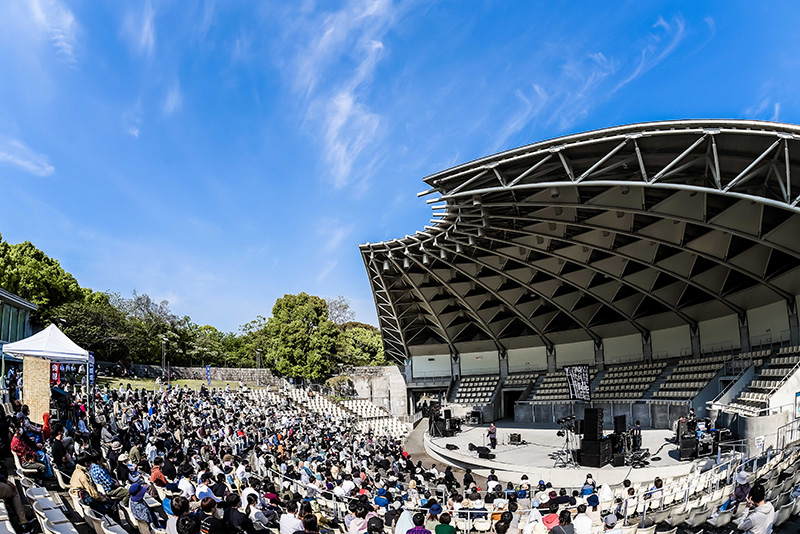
(444, 526)
(27, 453)
(139, 509)
(419, 522)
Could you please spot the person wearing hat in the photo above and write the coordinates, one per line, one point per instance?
(612, 525)
(433, 516)
(381, 500)
(139, 509)
(375, 525)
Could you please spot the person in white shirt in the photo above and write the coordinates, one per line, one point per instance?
(582, 524)
(186, 486)
(762, 513)
(289, 522)
(203, 490)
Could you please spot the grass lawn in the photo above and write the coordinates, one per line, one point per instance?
(150, 383)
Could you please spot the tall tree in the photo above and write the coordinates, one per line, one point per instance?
(300, 340)
(339, 310)
(28, 272)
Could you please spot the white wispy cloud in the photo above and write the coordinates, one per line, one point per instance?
(765, 109)
(140, 30)
(658, 45)
(333, 233)
(173, 99)
(329, 267)
(59, 23)
(20, 155)
(343, 50)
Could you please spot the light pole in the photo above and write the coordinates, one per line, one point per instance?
(258, 367)
(163, 355)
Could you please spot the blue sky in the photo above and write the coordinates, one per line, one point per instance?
(221, 154)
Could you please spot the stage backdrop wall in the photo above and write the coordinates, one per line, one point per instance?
(36, 386)
(575, 353)
(770, 319)
(532, 358)
(435, 365)
(720, 331)
(671, 340)
(627, 348)
(480, 362)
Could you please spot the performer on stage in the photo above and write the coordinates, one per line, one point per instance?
(492, 433)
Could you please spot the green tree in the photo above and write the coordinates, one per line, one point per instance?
(361, 344)
(95, 324)
(28, 272)
(299, 340)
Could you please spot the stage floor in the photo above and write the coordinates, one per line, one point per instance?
(536, 457)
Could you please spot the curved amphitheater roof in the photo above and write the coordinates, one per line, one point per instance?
(606, 233)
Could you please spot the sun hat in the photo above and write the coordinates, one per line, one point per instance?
(137, 491)
(436, 509)
(543, 498)
(123, 457)
(552, 495)
(466, 503)
(381, 492)
(611, 520)
(741, 478)
(593, 500)
(116, 446)
(539, 528)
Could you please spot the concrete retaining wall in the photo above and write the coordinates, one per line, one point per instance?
(234, 374)
(384, 386)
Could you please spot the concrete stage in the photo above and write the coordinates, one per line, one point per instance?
(536, 457)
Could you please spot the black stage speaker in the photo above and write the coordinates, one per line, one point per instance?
(618, 460)
(486, 455)
(451, 447)
(593, 424)
(447, 414)
(683, 427)
(617, 443)
(515, 438)
(591, 460)
(688, 448)
(482, 450)
(619, 424)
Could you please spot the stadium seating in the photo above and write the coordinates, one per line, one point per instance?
(554, 387)
(629, 381)
(690, 376)
(520, 380)
(476, 390)
(755, 397)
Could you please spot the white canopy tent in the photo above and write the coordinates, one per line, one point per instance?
(52, 344)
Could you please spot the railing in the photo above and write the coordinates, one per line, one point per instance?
(785, 378)
(481, 371)
(730, 385)
(788, 433)
(430, 376)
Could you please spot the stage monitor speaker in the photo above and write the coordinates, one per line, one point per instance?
(515, 438)
(448, 413)
(591, 460)
(688, 448)
(618, 460)
(486, 455)
(482, 450)
(593, 424)
(620, 424)
(451, 447)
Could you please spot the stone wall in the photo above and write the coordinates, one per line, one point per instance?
(233, 374)
(384, 386)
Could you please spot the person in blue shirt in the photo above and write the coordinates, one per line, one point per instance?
(381, 500)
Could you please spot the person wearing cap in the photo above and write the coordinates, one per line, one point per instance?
(740, 492)
(611, 525)
(139, 509)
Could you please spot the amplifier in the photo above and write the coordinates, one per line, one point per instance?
(688, 448)
(486, 455)
(592, 460)
(618, 460)
(596, 447)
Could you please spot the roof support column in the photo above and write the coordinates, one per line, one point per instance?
(455, 366)
(503, 357)
(599, 355)
(409, 372)
(694, 332)
(794, 324)
(744, 333)
(647, 348)
(551, 359)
